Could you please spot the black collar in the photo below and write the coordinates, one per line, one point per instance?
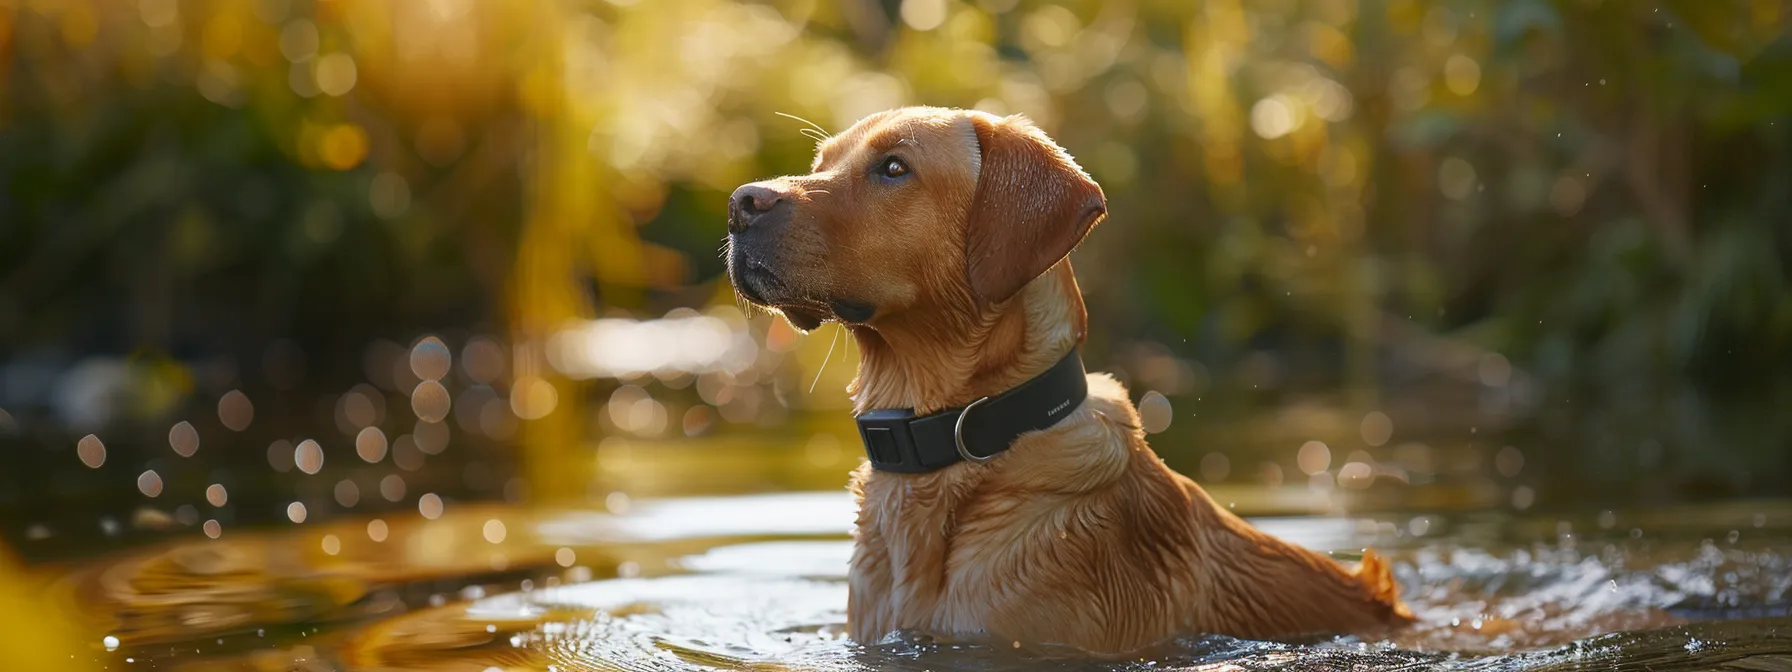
(896, 440)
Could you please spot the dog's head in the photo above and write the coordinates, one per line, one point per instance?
(910, 209)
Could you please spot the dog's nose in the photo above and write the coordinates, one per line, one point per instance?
(748, 203)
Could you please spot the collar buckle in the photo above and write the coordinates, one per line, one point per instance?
(889, 443)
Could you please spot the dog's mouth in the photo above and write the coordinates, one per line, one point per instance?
(759, 285)
(755, 282)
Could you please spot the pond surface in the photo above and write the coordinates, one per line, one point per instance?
(756, 582)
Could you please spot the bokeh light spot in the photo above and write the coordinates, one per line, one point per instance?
(533, 398)
(1462, 75)
(494, 531)
(308, 457)
(1155, 412)
(344, 146)
(430, 505)
(923, 14)
(392, 487)
(1377, 428)
(347, 493)
(235, 410)
(430, 401)
(430, 359)
(431, 437)
(335, 74)
(370, 445)
(91, 451)
(183, 439)
(1509, 461)
(150, 484)
(1314, 457)
(482, 359)
(1215, 467)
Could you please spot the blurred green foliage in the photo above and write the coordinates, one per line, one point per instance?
(1595, 188)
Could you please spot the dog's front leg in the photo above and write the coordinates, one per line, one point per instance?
(869, 610)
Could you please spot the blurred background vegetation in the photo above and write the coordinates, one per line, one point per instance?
(1483, 253)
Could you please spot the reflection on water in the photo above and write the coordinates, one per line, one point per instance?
(757, 583)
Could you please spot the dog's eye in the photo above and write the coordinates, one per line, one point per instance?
(893, 167)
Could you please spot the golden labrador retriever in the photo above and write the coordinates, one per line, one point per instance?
(1007, 495)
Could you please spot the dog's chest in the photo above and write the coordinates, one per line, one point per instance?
(938, 554)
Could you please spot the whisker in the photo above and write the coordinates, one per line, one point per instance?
(828, 357)
(824, 132)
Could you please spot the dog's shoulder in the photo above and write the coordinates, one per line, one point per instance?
(1110, 397)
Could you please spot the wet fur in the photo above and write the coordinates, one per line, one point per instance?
(1078, 534)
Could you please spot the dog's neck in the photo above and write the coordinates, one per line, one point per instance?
(951, 357)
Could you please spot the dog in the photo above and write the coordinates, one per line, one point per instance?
(1007, 496)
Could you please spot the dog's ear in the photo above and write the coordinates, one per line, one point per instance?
(1033, 204)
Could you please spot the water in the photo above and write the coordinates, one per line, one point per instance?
(756, 582)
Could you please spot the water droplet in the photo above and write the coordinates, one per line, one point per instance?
(183, 439)
(295, 512)
(376, 530)
(565, 557)
(110, 642)
(494, 531)
(332, 545)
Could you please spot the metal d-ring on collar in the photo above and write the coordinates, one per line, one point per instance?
(958, 436)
